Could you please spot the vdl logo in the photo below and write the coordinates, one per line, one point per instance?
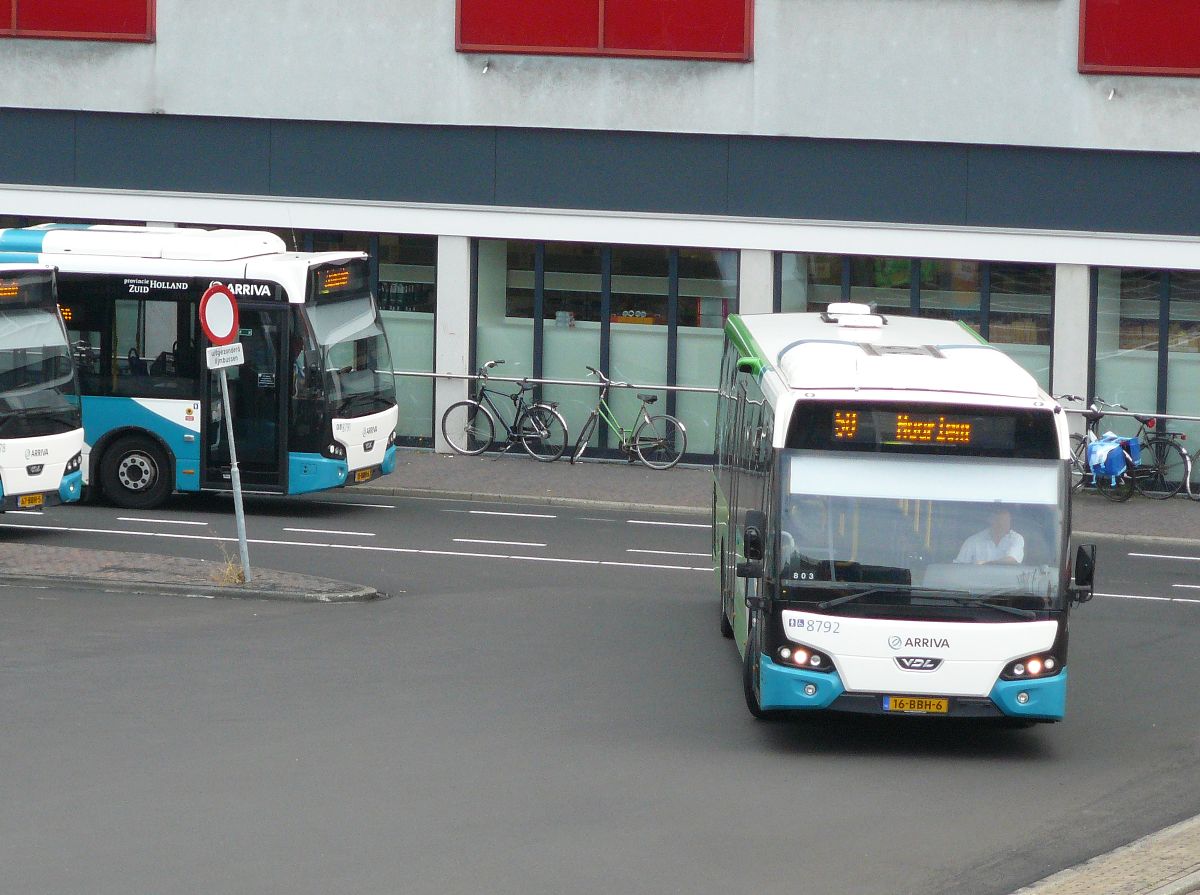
(918, 663)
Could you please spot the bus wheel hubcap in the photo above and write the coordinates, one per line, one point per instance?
(136, 472)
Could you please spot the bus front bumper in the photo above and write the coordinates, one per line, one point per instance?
(68, 491)
(313, 472)
(795, 689)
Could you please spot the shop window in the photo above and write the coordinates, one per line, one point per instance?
(79, 19)
(1147, 37)
(407, 293)
(699, 29)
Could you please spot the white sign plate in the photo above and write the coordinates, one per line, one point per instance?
(220, 356)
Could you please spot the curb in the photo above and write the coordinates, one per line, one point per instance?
(355, 594)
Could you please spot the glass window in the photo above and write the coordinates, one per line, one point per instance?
(1127, 303)
(883, 282)
(504, 307)
(638, 349)
(1019, 316)
(809, 282)
(155, 349)
(571, 327)
(708, 280)
(407, 304)
(337, 241)
(1183, 343)
(950, 290)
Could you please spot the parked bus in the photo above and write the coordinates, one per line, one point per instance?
(41, 433)
(313, 405)
(892, 520)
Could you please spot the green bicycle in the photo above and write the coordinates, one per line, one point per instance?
(658, 441)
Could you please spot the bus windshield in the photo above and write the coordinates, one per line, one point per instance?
(358, 365)
(37, 374)
(920, 530)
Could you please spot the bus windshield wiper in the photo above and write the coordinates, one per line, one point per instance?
(982, 600)
(846, 598)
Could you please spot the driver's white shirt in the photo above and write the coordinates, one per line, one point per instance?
(981, 547)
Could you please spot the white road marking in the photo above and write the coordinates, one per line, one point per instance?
(1192, 586)
(274, 543)
(522, 515)
(596, 519)
(1165, 556)
(327, 531)
(1134, 597)
(500, 543)
(350, 503)
(23, 513)
(158, 521)
(666, 552)
(675, 524)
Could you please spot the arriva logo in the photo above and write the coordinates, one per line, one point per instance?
(254, 290)
(918, 642)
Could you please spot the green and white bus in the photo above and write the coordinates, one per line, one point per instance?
(891, 519)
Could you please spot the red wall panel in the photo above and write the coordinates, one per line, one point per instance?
(695, 29)
(1139, 36)
(521, 24)
(676, 26)
(120, 19)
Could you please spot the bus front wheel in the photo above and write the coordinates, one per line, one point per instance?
(135, 473)
(751, 672)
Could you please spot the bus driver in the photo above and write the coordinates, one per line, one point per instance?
(997, 544)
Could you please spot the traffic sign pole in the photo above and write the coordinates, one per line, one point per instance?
(235, 478)
(219, 320)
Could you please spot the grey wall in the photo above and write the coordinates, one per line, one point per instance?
(951, 71)
(768, 177)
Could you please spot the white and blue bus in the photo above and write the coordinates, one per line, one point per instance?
(41, 432)
(892, 520)
(313, 405)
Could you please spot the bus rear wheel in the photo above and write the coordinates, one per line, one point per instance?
(135, 473)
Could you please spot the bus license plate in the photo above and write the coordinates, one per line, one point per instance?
(30, 500)
(916, 704)
(363, 475)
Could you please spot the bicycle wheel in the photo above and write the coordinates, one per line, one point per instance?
(468, 428)
(1119, 492)
(543, 432)
(1163, 469)
(1080, 474)
(585, 435)
(660, 441)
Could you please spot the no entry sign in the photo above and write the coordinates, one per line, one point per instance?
(219, 315)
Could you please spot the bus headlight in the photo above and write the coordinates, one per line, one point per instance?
(74, 463)
(391, 438)
(802, 656)
(334, 450)
(1030, 667)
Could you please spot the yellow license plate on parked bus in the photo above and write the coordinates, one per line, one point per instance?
(363, 475)
(30, 500)
(916, 704)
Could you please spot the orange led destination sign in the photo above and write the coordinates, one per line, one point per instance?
(901, 428)
(9, 288)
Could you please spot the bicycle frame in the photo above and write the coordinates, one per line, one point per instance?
(610, 419)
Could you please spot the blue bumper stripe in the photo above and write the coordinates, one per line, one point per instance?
(783, 688)
(312, 472)
(1047, 697)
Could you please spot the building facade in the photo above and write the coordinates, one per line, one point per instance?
(600, 182)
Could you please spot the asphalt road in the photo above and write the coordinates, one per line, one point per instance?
(555, 713)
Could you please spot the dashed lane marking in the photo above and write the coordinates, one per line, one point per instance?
(673, 524)
(522, 515)
(666, 552)
(498, 543)
(158, 521)
(328, 531)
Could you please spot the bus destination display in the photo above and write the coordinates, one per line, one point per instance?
(902, 428)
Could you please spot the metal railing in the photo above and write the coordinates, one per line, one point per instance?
(581, 382)
(1164, 417)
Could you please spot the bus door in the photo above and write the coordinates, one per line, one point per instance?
(257, 395)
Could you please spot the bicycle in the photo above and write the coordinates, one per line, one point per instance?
(469, 426)
(1162, 470)
(658, 441)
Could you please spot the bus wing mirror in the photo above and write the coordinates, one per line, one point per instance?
(1085, 572)
(751, 365)
(752, 534)
(750, 569)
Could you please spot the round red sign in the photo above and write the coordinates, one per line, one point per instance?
(219, 315)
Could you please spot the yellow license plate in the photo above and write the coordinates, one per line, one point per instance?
(363, 475)
(30, 500)
(916, 704)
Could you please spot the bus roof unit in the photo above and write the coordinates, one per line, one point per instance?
(850, 348)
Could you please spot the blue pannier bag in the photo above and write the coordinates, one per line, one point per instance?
(1106, 457)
